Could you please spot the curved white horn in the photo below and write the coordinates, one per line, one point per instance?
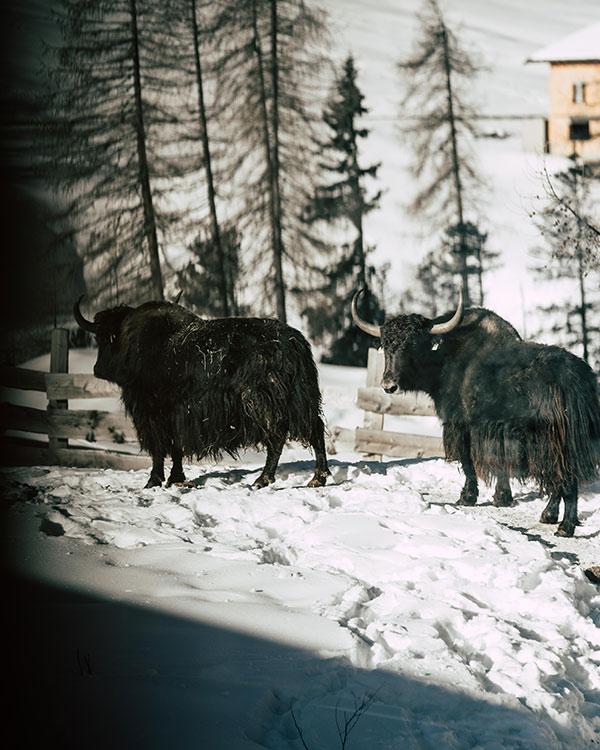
(370, 328)
(451, 324)
(87, 325)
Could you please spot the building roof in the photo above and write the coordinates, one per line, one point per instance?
(581, 46)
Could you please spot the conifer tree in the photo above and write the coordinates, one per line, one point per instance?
(199, 281)
(441, 129)
(269, 73)
(341, 204)
(187, 55)
(106, 141)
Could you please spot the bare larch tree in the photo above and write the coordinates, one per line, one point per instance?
(440, 127)
(107, 140)
(269, 75)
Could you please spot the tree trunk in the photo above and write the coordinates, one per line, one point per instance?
(278, 249)
(456, 169)
(357, 218)
(215, 230)
(144, 177)
(275, 227)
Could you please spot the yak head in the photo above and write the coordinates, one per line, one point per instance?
(106, 327)
(410, 345)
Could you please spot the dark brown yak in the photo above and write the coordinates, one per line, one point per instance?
(199, 388)
(509, 408)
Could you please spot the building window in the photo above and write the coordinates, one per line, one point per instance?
(579, 129)
(579, 92)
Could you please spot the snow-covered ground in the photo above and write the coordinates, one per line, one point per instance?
(502, 34)
(219, 616)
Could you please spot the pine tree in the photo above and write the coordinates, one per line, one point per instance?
(199, 281)
(186, 54)
(107, 140)
(269, 73)
(341, 204)
(434, 291)
(569, 254)
(441, 129)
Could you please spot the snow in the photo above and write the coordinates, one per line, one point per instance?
(214, 610)
(218, 616)
(381, 33)
(583, 45)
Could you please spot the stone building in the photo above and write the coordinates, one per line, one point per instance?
(574, 116)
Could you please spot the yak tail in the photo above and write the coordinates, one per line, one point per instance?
(577, 427)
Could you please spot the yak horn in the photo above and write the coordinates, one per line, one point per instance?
(451, 324)
(370, 328)
(87, 325)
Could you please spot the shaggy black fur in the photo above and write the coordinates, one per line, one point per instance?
(199, 388)
(509, 408)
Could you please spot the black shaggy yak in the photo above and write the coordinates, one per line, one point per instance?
(199, 388)
(509, 408)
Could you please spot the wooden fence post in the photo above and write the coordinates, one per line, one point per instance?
(375, 365)
(59, 362)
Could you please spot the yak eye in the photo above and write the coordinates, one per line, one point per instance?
(435, 345)
(112, 338)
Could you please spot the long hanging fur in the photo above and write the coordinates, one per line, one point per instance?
(218, 385)
(516, 408)
(530, 411)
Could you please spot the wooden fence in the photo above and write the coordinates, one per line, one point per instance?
(69, 435)
(371, 438)
(65, 428)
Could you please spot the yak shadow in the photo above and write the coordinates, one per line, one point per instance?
(339, 469)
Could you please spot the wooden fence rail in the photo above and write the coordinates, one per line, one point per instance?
(61, 424)
(372, 439)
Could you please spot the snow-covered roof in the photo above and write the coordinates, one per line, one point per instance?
(582, 45)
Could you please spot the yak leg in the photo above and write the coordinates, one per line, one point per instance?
(502, 494)
(157, 475)
(550, 512)
(317, 441)
(274, 448)
(470, 491)
(176, 476)
(570, 520)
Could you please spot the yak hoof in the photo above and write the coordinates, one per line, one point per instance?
(547, 517)
(154, 481)
(318, 480)
(262, 481)
(503, 499)
(178, 479)
(467, 497)
(565, 529)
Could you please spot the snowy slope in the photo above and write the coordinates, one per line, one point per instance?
(467, 627)
(504, 33)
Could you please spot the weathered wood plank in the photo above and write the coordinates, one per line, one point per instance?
(79, 385)
(91, 425)
(378, 401)
(343, 435)
(23, 454)
(375, 366)
(21, 377)
(388, 443)
(68, 423)
(398, 444)
(23, 418)
(59, 362)
(99, 459)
